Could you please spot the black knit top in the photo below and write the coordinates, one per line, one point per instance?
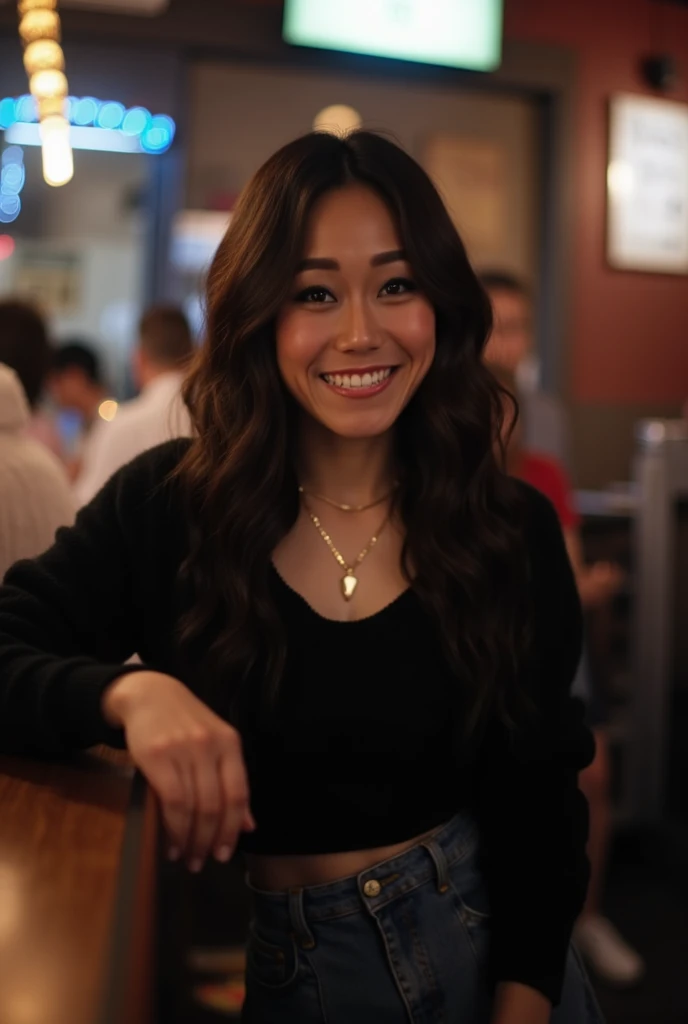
(361, 748)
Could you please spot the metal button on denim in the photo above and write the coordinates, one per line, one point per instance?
(372, 887)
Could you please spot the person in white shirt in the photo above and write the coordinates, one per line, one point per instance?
(35, 497)
(158, 414)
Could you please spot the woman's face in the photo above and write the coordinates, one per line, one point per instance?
(356, 337)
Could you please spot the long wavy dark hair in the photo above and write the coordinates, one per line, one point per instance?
(459, 510)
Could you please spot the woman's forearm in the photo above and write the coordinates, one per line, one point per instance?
(519, 1004)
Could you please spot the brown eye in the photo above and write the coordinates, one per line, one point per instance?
(398, 286)
(315, 295)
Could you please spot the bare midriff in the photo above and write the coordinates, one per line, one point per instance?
(278, 873)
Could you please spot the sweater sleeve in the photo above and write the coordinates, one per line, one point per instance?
(68, 621)
(532, 815)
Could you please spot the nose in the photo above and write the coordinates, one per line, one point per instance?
(359, 330)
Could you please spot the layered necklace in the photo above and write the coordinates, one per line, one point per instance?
(349, 580)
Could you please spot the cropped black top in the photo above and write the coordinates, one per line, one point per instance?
(361, 749)
(358, 752)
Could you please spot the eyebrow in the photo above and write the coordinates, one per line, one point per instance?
(324, 263)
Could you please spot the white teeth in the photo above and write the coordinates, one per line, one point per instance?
(356, 380)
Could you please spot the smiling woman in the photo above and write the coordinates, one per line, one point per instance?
(357, 326)
(357, 634)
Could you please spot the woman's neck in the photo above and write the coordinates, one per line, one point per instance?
(351, 471)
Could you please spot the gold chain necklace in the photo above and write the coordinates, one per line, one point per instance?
(349, 580)
(348, 508)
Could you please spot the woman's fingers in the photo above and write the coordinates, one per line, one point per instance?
(236, 816)
(248, 823)
(175, 792)
(208, 805)
(194, 762)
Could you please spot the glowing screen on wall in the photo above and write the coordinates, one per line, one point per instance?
(453, 33)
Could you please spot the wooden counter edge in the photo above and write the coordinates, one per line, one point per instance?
(128, 990)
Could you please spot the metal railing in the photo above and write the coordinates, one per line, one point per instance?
(661, 481)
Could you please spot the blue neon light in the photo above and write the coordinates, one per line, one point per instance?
(12, 178)
(111, 115)
(12, 155)
(136, 121)
(9, 208)
(26, 109)
(159, 134)
(153, 134)
(84, 111)
(7, 112)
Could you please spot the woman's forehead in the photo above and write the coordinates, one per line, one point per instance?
(350, 219)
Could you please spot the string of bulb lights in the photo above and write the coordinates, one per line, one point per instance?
(40, 32)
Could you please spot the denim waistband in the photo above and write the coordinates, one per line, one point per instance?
(447, 846)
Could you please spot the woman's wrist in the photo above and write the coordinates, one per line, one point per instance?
(118, 698)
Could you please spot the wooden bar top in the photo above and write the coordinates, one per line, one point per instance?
(62, 825)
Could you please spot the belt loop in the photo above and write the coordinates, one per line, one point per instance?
(298, 920)
(440, 862)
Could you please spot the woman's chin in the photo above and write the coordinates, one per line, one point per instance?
(357, 428)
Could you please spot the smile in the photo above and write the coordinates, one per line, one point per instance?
(359, 384)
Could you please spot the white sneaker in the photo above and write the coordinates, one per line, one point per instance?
(607, 952)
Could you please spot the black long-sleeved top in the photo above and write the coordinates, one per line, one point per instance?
(361, 750)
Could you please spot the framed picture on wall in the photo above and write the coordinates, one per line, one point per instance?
(472, 176)
(647, 185)
(52, 279)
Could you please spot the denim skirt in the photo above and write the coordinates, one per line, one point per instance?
(404, 942)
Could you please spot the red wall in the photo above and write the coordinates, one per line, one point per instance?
(629, 334)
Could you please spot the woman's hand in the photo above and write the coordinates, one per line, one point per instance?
(192, 759)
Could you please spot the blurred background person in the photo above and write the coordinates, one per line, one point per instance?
(75, 384)
(158, 414)
(25, 348)
(75, 381)
(35, 497)
(511, 348)
(604, 948)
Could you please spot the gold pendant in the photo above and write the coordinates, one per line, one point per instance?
(349, 584)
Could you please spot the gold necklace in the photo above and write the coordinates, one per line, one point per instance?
(349, 580)
(348, 508)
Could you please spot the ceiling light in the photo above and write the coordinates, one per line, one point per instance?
(40, 24)
(31, 5)
(58, 162)
(43, 54)
(48, 84)
(337, 120)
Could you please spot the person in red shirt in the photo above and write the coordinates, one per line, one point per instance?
(597, 583)
(605, 949)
